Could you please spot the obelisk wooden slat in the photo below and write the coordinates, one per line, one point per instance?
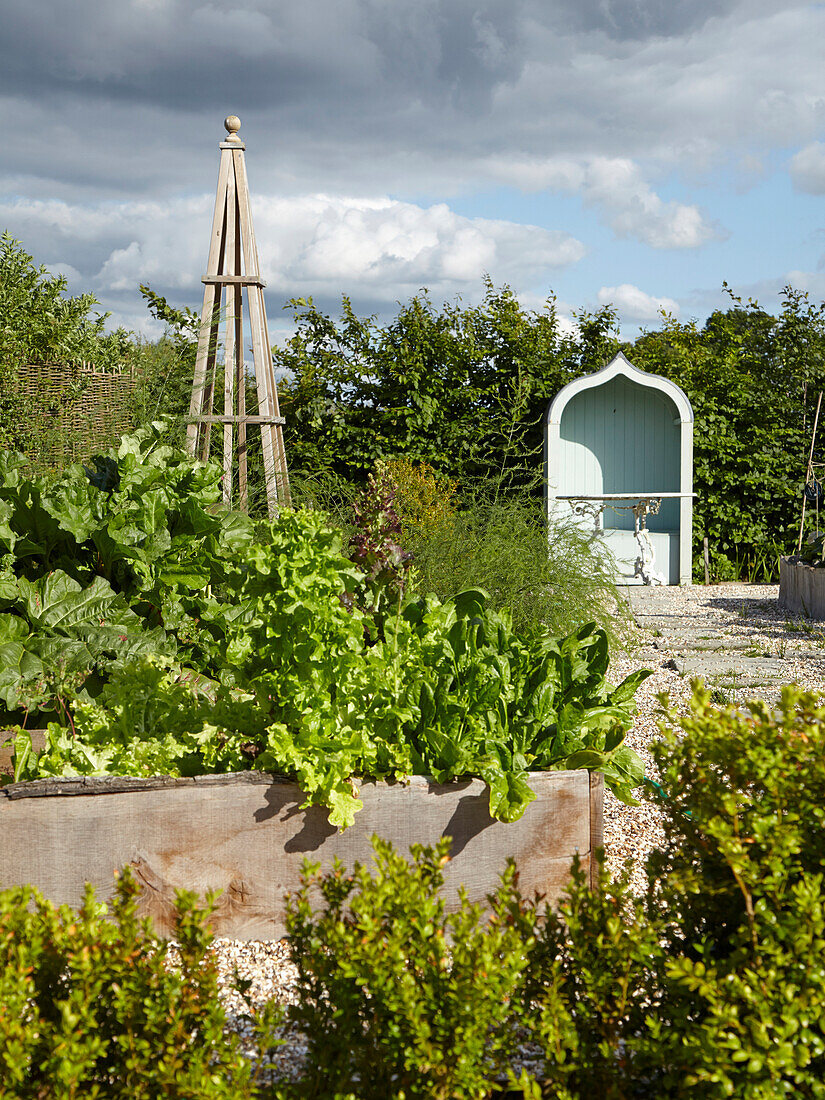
(232, 270)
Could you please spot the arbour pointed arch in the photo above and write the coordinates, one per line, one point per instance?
(232, 272)
(613, 440)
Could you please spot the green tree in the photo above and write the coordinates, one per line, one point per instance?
(465, 389)
(40, 324)
(461, 388)
(752, 380)
(166, 366)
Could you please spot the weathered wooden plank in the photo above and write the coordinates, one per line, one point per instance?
(802, 588)
(596, 823)
(234, 280)
(204, 360)
(122, 784)
(246, 836)
(240, 386)
(230, 350)
(223, 418)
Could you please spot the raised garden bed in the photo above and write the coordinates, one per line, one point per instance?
(245, 835)
(802, 588)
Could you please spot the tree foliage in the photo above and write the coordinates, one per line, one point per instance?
(39, 323)
(752, 380)
(465, 390)
(462, 388)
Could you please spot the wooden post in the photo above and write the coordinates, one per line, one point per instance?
(706, 556)
(232, 249)
(809, 472)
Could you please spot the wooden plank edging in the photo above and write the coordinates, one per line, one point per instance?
(245, 836)
(122, 784)
(596, 824)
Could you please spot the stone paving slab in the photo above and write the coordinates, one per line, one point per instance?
(673, 622)
(703, 650)
(703, 643)
(729, 666)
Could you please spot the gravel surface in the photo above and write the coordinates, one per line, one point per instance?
(742, 614)
(745, 616)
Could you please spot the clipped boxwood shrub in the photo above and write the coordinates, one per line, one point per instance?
(396, 996)
(92, 1007)
(711, 985)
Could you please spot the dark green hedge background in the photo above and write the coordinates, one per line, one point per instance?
(466, 389)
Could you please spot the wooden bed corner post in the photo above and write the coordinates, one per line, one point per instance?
(596, 824)
(232, 270)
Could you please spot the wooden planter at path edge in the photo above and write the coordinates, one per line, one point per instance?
(245, 835)
(802, 588)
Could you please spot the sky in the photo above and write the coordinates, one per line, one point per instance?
(636, 152)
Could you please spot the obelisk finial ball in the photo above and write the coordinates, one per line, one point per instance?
(232, 124)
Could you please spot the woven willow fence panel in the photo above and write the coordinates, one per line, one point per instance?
(78, 409)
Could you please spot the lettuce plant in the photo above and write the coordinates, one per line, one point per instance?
(175, 638)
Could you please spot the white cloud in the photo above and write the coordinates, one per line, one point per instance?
(599, 99)
(617, 188)
(388, 246)
(315, 243)
(413, 95)
(320, 245)
(807, 169)
(634, 304)
(633, 209)
(813, 282)
(74, 280)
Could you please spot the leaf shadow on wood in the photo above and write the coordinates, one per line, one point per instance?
(470, 818)
(284, 802)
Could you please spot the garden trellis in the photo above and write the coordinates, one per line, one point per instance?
(233, 269)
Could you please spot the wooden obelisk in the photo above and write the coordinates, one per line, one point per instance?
(232, 271)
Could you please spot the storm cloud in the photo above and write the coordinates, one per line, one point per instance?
(395, 111)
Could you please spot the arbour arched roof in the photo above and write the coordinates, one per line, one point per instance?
(620, 366)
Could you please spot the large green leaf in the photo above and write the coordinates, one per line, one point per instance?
(12, 463)
(75, 507)
(20, 670)
(58, 603)
(629, 686)
(510, 793)
(8, 535)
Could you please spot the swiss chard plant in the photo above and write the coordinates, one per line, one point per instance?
(171, 637)
(106, 564)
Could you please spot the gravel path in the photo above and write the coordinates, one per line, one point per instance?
(734, 635)
(738, 640)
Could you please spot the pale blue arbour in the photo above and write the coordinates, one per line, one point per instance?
(625, 431)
